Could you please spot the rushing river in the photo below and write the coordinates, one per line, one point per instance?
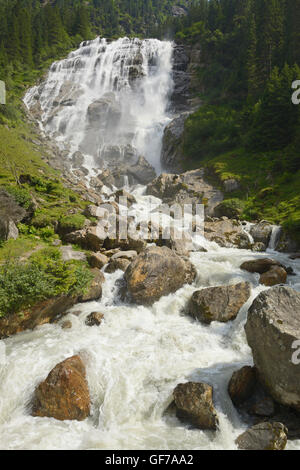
(138, 355)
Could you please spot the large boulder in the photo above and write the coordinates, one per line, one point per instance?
(221, 303)
(226, 233)
(261, 265)
(263, 436)
(64, 395)
(242, 384)
(156, 272)
(262, 232)
(95, 290)
(273, 330)
(194, 404)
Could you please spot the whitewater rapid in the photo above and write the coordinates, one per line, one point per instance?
(134, 361)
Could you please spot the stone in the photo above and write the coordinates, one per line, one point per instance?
(261, 265)
(275, 275)
(273, 333)
(98, 260)
(221, 303)
(94, 319)
(66, 325)
(95, 290)
(130, 255)
(117, 264)
(226, 233)
(64, 395)
(194, 404)
(121, 194)
(242, 385)
(263, 436)
(262, 232)
(156, 272)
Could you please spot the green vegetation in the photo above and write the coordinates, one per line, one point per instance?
(43, 276)
(248, 128)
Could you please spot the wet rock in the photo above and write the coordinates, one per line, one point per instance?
(117, 264)
(94, 319)
(262, 232)
(64, 395)
(273, 332)
(141, 172)
(194, 404)
(260, 266)
(258, 247)
(66, 325)
(275, 275)
(122, 194)
(263, 436)
(242, 385)
(172, 148)
(156, 272)
(98, 260)
(221, 303)
(226, 233)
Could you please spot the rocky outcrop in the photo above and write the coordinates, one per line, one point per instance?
(172, 148)
(48, 310)
(187, 188)
(260, 265)
(263, 436)
(221, 303)
(156, 272)
(262, 232)
(10, 214)
(64, 395)
(194, 404)
(226, 233)
(271, 271)
(273, 333)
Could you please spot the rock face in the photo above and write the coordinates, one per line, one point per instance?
(272, 329)
(156, 272)
(226, 233)
(219, 303)
(172, 151)
(187, 188)
(262, 232)
(263, 436)
(64, 395)
(242, 385)
(194, 404)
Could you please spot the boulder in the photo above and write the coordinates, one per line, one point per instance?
(95, 290)
(129, 255)
(273, 332)
(64, 395)
(262, 232)
(122, 194)
(226, 233)
(156, 272)
(261, 265)
(98, 260)
(275, 275)
(10, 214)
(263, 436)
(117, 264)
(194, 404)
(221, 303)
(242, 384)
(94, 319)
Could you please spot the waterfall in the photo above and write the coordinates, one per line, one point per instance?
(108, 100)
(275, 235)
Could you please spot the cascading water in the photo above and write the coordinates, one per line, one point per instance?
(138, 354)
(108, 100)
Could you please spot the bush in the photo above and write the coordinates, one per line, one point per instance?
(21, 195)
(43, 276)
(71, 223)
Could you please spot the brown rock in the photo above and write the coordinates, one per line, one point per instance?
(156, 272)
(263, 436)
(98, 260)
(221, 303)
(260, 266)
(194, 404)
(117, 264)
(66, 325)
(242, 385)
(95, 290)
(275, 275)
(94, 319)
(64, 395)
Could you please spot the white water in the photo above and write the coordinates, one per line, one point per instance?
(138, 355)
(92, 102)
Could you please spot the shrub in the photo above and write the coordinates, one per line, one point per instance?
(43, 276)
(71, 223)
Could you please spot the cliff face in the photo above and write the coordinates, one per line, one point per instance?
(186, 62)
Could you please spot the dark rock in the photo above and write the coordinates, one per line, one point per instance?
(117, 264)
(275, 275)
(242, 385)
(194, 404)
(94, 319)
